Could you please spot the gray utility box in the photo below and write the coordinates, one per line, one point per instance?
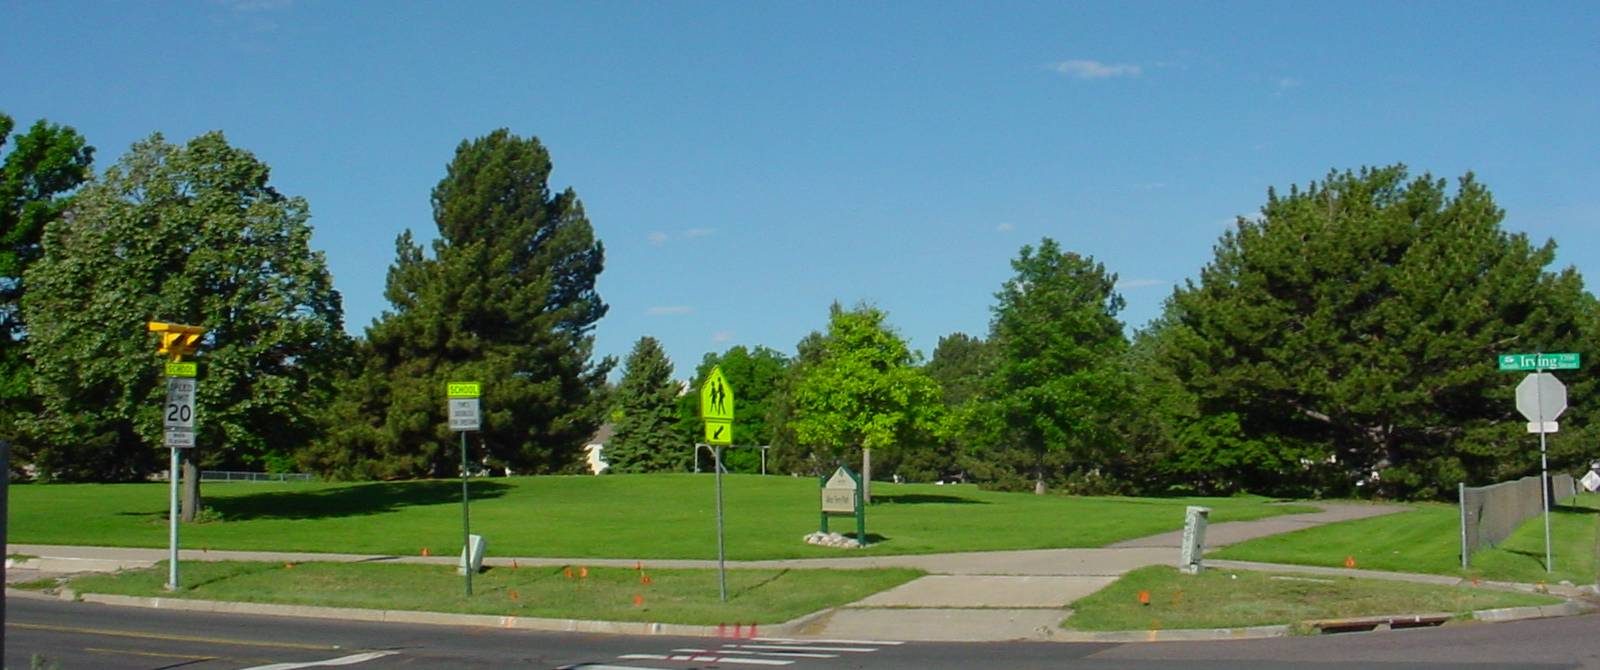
(472, 554)
(1194, 539)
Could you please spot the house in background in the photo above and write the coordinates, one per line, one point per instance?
(593, 450)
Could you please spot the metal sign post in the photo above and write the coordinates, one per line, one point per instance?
(1541, 398)
(178, 414)
(465, 416)
(716, 409)
(178, 433)
(722, 553)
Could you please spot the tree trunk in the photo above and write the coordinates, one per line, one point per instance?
(1038, 476)
(191, 491)
(866, 475)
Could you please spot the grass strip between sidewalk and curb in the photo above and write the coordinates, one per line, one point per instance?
(569, 592)
(1236, 599)
(1428, 540)
(658, 516)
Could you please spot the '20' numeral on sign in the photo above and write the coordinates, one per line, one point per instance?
(179, 413)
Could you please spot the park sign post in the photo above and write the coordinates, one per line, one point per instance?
(464, 416)
(716, 409)
(841, 494)
(1541, 398)
(177, 425)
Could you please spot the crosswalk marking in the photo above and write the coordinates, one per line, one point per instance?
(601, 666)
(704, 659)
(790, 640)
(761, 651)
(791, 647)
(343, 660)
(786, 654)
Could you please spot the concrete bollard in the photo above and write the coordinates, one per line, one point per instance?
(1194, 540)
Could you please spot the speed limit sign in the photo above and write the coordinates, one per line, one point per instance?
(178, 413)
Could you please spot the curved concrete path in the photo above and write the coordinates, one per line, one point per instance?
(970, 596)
(1018, 595)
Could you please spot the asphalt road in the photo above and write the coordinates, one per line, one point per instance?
(79, 636)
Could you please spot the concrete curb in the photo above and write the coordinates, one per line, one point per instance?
(1569, 608)
(793, 628)
(435, 618)
(1174, 635)
(72, 565)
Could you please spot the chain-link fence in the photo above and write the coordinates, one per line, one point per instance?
(1489, 514)
(229, 476)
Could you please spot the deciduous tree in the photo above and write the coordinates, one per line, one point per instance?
(754, 375)
(191, 234)
(1056, 344)
(865, 392)
(37, 176)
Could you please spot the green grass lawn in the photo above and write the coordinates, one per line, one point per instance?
(1232, 598)
(606, 594)
(619, 516)
(1428, 540)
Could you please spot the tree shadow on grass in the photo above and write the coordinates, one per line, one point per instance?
(923, 499)
(357, 500)
(1574, 509)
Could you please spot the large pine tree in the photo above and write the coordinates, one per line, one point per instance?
(507, 298)
(646, 402)
(1347, 338)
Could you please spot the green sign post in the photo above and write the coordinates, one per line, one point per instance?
(464, 416)
(1521, 362)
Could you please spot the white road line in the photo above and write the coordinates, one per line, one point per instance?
(600, 666)
(786, 647)
(783, 654)
(787, 640)
(343, 660)
(704, 659)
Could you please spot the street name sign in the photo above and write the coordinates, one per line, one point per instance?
(1521, 362)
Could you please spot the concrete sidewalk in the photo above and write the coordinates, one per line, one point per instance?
(970, 596)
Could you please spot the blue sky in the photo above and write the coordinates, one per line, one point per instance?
(748, 163)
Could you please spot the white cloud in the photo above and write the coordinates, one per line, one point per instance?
(697, 232)
(1004, 228)
(1093, 69)
(722, 336)
(667, 310)
(1141, 283)
(658, 238)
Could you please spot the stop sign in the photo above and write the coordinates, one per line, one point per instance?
(1541, 397)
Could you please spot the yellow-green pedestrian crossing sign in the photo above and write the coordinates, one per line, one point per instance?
(716, 408)
(716, 397)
